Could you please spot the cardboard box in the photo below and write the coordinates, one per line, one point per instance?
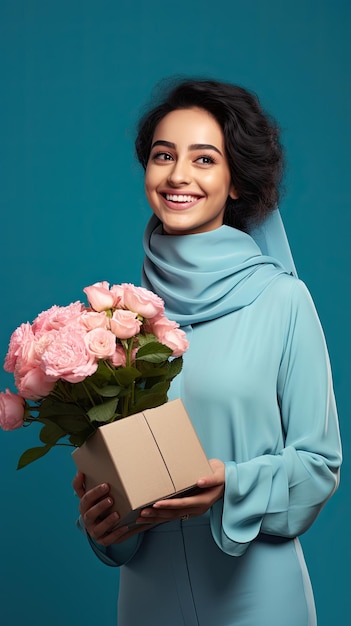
(145, 457)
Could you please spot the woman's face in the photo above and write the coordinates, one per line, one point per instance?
(187, 179)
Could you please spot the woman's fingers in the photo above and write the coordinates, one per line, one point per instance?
(100, 521)
(96, 512)
(211, 490)
(101, 531)
(93, 496)
(178, 508)
(217, 478)
(78, 484)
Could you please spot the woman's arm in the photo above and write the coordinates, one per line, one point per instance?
(282, 494)
(113, 546)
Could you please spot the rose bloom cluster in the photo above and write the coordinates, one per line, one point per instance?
(68, 342)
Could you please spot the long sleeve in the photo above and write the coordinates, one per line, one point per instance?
(116, 554)
(282, 493)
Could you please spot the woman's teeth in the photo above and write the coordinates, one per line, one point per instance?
(179, 198)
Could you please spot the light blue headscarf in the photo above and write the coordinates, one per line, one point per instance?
(271, 238)
(203, 276)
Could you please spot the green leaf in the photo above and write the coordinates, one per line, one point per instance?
(151, 373)
(126, 375)
(77, 394)
(154, 352)
(150, 398)
(103, 412)
(103, 374)
(152, 369)
(66, 415)
(78, 439)
(70, 424)
(159, 387)
(111, 391)
(174, 367)
(51, 407)
(32, 455)
(149, 402)
(51, 433)
(147, 338)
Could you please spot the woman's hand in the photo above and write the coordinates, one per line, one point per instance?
(212, 489)
(95, 509)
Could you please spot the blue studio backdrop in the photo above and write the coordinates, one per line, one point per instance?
(75, 76)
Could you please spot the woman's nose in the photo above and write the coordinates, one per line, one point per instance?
(179, 173)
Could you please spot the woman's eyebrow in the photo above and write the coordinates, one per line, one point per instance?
(204, 146)
(193, 146)
(160, 142)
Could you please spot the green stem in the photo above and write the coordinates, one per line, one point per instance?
(128, 347)
(86, 389)
(126, 402)
(60, 391)
(129, 397)
(29, 420)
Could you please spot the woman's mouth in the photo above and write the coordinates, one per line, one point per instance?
(180, 200)
(173, 197)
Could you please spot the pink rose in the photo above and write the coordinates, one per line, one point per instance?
(91, 319)
(42, 342)
(169, 333)
(35, 384)
(20, 337)
(57, 317)
(118, 359)
(142, 301)
(124, 324)
(100, 297)
(118, 291)
(11, 410)
(100, 343)
(31, 352)
(67, 357)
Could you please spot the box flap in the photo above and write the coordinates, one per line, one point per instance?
(136, 458)
(178, 443)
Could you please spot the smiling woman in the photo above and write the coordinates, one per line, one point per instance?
(249, 139)
(187, 185)
(255, 381)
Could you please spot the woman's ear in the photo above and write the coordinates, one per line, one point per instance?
(233, 194)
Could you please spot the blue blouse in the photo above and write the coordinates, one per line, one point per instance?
(256, 383)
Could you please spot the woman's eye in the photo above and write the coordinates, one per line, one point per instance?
(162, 156)
(205, 160)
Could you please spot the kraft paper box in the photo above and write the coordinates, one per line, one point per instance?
(145, 457)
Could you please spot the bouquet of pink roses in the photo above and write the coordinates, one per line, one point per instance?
(78, 367)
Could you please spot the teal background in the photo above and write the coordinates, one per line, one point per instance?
(75, 76)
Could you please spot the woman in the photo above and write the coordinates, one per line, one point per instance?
(256, 379)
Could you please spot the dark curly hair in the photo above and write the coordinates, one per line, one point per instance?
(253, 150)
